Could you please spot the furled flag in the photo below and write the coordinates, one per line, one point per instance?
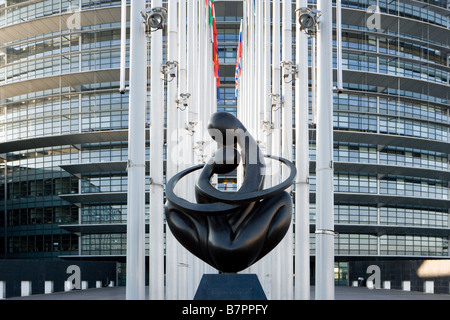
(237, 76)
(212, 25)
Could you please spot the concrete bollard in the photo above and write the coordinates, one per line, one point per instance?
(48, 287)
(2, 289)
(428, 286)
(406, 285)
(25, 288)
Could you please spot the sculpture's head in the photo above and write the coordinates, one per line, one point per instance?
(223, 128)
(225, 160)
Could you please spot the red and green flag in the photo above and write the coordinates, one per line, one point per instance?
(215, 48)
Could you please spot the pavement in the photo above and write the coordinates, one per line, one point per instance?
(341, 293)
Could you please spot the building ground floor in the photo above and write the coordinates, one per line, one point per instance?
(341, 293)
(32, 277)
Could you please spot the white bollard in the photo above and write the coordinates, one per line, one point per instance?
(68, 285)
(387, 284)
(48, 287)
(25, 288)
(2, 289)
(428, 287)
(406, 285)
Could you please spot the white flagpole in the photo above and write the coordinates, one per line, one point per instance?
(156, 263)
(259, 51)
(172, 140)
(193, 262)
(246, 72)
(339, 85)
(302, 268)
(252, 112)
(267, 74)
(207, 58)
(202, 105)
(260, 68)
(211, 84)
(313, 80)
(182, 253)
(206, 69)
(238, 77)
(259, 72)
(287, 243)
(324, 168)
(201, 70)
(193, 74)
(198, 267)
(276, 136)
(252, 108)
(266, 280)
(243, 87)
(123, 44)
(135, 288)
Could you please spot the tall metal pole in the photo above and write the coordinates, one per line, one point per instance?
(276, 136)
(259, 68)
(313, 80)
(260, 93)
(246, 62)
(172, 142)
(5, 207)
(182, 253)
(200, 132)
(193, 262)
(266, 283)
(302, 268)
(339, 84)
(267, 77)
(156, 263)
(287, 243)
(324, 167)
(252, 107)
(123, 44)
(135, 288)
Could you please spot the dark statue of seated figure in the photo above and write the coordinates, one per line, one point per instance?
(231, 230)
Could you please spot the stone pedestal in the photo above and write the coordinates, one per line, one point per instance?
(230, 286)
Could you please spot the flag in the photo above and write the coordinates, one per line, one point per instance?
(237, 76)
(210, 12)
(215, 48)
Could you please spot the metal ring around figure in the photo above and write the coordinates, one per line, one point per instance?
(228, 202)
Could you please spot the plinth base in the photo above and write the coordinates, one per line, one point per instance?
(230, 286)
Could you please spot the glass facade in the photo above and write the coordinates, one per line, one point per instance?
(63, 130)
(59, 95)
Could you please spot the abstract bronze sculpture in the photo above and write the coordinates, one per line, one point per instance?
(231, 230)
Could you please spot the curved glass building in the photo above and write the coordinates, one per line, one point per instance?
(64, 130)
(61, 116)
(391, 132)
